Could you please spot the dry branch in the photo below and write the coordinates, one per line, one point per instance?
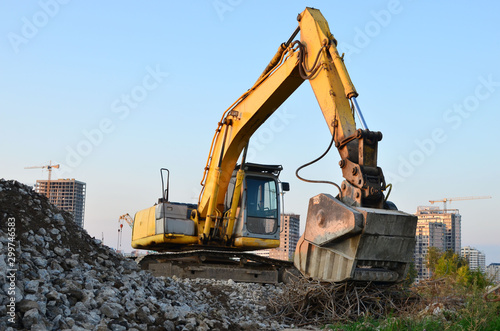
(311, 302)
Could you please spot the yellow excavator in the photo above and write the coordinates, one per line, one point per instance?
(356, 235)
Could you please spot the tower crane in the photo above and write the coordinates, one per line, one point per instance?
(127, 218)
(49, 167)
(445, 200)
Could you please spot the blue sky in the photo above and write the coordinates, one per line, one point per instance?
(113, 91)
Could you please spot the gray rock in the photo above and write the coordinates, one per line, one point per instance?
(55, 268)
(70, 321)
(108, 263)
(112, 310)
(74, 295)
(52, 295)
(31, 286)
(191, 323)
(59, 251)
(31, 317)
(79, 307)
(19, 294)
(107, 293)
(38, 327)
(3, 266)
(26, 256)
(102, 326)
(44, 275)
(169, 326)
(59, 219)
(118, 327)
(26, 305)
(40, 262)
(171, 313)
(39, 240)
(71, 263)
(93, 317)
(129, 305)
(144, 315)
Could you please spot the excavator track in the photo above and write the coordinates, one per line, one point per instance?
(220, 265)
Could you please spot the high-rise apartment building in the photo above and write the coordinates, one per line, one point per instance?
(66, 194)
(435, 228)
(450, 218)
(475, 258)
(429, 234)
(289, 236)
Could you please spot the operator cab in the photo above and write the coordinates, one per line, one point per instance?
(260, 196)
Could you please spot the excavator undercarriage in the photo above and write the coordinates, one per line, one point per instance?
(221, 265)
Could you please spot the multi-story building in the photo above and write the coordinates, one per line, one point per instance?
(289, 236)
(493, 272)
(435, 228)
(475, 258)
(429, 234)
(450, 218)
(66, 194)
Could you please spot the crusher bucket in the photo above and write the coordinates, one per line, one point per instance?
(344, 243)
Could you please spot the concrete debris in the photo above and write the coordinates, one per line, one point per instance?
(66, 280)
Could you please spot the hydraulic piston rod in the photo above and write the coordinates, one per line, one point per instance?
(359, 113)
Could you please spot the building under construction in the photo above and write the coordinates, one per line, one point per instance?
(436, 228)
(67, 194)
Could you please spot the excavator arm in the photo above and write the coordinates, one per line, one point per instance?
(314, 58)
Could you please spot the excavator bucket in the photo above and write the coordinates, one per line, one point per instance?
(343, 243)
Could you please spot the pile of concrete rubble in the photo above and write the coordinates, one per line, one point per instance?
(54, 276)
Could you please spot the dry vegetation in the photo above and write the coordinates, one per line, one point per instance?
(312, 302)
(432, 305)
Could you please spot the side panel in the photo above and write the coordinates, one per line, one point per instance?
(154, 228)
(144, 224)
(173, 218)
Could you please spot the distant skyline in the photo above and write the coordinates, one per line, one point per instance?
(114, 91)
